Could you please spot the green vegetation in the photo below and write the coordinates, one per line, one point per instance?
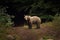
(45, 9)
(41, 8)
(5, 22)
(53, 28)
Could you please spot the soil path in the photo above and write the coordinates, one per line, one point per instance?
(31, 34)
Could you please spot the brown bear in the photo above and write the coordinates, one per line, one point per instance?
(32, 20)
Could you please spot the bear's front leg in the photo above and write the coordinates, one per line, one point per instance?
(30, 25)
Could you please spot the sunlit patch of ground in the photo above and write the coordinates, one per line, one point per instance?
(33, 26)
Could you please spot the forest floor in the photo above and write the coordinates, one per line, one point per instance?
(23, 33)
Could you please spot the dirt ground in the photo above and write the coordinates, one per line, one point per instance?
(23, 33)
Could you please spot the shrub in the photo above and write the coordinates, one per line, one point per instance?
(54, 30)
(46, 18)
(5, 22)
(56, 23)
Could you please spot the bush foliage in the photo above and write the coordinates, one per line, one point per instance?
(5, 22)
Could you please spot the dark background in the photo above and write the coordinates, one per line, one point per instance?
(41, 8)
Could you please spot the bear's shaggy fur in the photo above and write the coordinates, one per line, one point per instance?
(32, 20)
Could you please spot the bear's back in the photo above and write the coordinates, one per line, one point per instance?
(35, 18)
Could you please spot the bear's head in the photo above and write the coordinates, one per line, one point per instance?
(26, 17)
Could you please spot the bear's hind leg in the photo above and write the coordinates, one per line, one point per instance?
(38, 25)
